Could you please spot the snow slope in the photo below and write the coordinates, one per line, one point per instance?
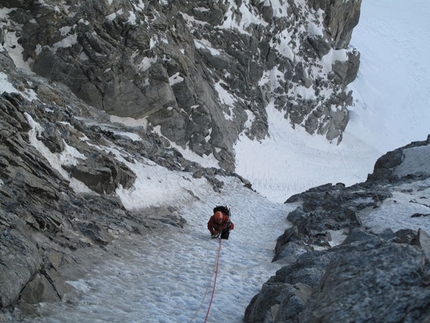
(392, 89)
(167, 276)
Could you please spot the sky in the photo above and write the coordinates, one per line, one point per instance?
(168, 275)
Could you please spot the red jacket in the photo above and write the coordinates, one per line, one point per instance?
(214, 227)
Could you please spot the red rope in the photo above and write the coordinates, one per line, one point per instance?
(204, 296)
(216, 275)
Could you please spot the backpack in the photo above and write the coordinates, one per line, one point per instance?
(223, 209)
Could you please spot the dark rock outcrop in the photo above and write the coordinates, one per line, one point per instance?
(372, 281)
(355, 281)
(369, 277)
(410, 160)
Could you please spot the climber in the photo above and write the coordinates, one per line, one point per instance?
(219, 223)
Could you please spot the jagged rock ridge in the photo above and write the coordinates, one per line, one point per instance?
(174, 63)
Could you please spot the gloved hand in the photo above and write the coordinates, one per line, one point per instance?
(215, 235)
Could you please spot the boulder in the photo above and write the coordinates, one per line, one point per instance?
(408, 161)
(372, 282)
(284, 295)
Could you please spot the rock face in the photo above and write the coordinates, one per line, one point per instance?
(411, 160)
(365, 279)
(46, 211)
(201, 71)
(369, 277)
(395, 289)
(341, 17)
